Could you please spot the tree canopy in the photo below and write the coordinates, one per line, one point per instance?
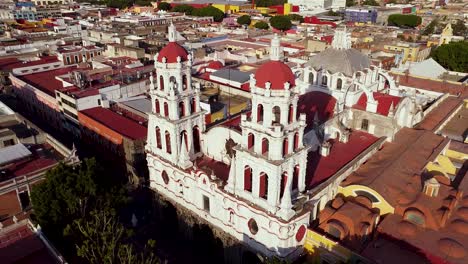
(211, 11)
(452, 56)
(164, 6)
(281, 22)
(459, 28)
(350, 3)
(370, 3)
(244, 20)
(400, 20)
(267, 3)
(187, 9)
(430, 28)
(296, 17)
(262, 25)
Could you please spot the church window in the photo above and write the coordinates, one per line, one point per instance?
(260, 113)
(324, 80)
(368, 195)
(291, 114)
(156, 103)
(206, 203)
(168, 142)
(250, 141)
(276, 115)
(295, 182)
(181, 109)
(183, 139)
(339, 84)
(248, 179)
(365, 124)
(166, 109)
(284, 181)
(265, 146)
(196, 139)
(158, 138)
(231, 217)
(263, 192)
(165, 177)
(311, 78)
(285, 147)
(415, 216)
(193, 105)
(296, 141)
(334, 231)
(161, 82)
(253, 227)
(184, 82)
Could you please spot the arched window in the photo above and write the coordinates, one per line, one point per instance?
(248, 178)
(285, 147)
(339, 84)
(265, 146)
(296, 141)
(161, 82)
(291, 114)
(365, 124)
(166, 109)
(415, 216)
(295, 182)
(368, 195)
(183, 139)
(158, 138)
(263, 192)
(165, 177)
(156, 106)
(250, 141)
(181, 109)
(172, 79)
(334, 231)
(168, 142)
(324, 80)
(231, 217)
(196, 139)
(276, 115)
(193, 106)
(311, 78)
(284, 181)
(260, 113)
(184, 82)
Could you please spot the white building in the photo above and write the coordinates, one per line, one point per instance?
(305, 5)
(258, 184)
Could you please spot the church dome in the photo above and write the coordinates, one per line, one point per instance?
(275, 72)
(215, 65)
(171, 51)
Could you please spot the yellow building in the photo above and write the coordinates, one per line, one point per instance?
(411, 51)
(232, 8)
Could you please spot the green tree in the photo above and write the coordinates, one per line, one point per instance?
(211, 11)
(350, 3)
(281, 22)
(187, 9)
(262, 25)
(275, 260)
(103, 239)
(459, 28)
(244, 20)
(296, 17)
(370, 3)
(164, 6)
(429, 30)
(452, 56)
(333, 13)
(400, 20)
(267, 3)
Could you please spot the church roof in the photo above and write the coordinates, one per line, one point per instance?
(346, 61)
(275, 72)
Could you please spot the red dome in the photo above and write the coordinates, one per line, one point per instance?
(275, 72)
(171, 51)
(215, 65)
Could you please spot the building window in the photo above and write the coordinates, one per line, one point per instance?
(260, 113)
(416, 217)
(184, 82)
(311, 78)
(248, 179)
(9, 142)
(161, 82)
(295, 182)
(368, 195)
(276, 115)
(324, 80)
(253, 227)
(165, 177)
(334, 232)
(263, 192)
(296, 141)
(250, 141)
(206, 203)
(76, 59)
(181, 109)
(265, 146)
(365, 124)
(283, 184)
(291, 114)
(166, 109)
(156, 104)
(24, 200)
(193, 106)
(285, 147)
(339, 84)
(168, 142)
(196, 139)
(158, 138)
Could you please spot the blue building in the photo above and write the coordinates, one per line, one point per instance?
(361, 14)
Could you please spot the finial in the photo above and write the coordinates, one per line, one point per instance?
(276, 53)
(172, 31)
(341, 39)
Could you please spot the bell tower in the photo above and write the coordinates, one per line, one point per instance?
(176, 122)
(270, 163)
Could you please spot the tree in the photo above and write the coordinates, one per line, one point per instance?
(429, 30)
(370, 3)
(164, 6)
(281, 22)
(103, 239)
(452, 56)
(211, 11)
(400, 20)
(261, 25)
(459, 28)
(244, 20)
(296, 17)
(332, 13)
(350, 3)
(267, 3)
(187, 9)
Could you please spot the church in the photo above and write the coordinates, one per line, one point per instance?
(264, 178)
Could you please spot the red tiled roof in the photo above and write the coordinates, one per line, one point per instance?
(13, 63)
(438, 115)
(312, 102)
(116, 122)
(171, 51)
(218, 168)
(320, 168)
(275, 72)
(30, 166)
(384, 102)
(45, 81)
